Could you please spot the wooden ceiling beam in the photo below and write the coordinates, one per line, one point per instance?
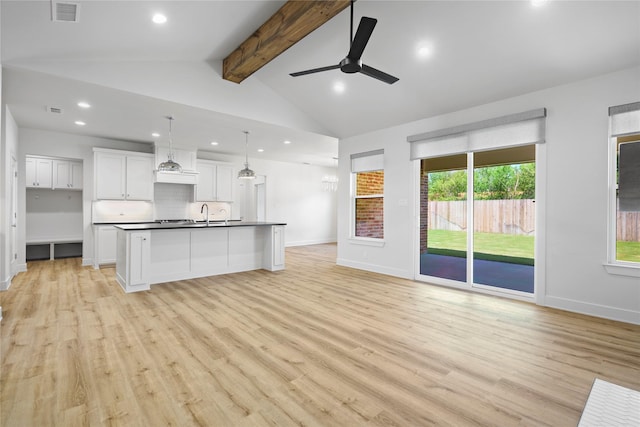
(290, 24)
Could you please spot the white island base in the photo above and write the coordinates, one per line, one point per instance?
(150, 255)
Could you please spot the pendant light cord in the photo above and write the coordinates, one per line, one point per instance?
(170, 138)
(246, 148)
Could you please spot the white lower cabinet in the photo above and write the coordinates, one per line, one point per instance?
(139, 247)
(155, 256)
(104, 238)
(133, 249)
(278, 246)
(274, 248)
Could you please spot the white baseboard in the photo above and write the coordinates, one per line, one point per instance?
(21, 268)
(375, 268)
(5, 284)
(309, 242)
(597, 310)
(87, 262)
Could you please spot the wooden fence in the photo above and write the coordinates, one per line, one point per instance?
(510, 217)
(491, 216)
(628, 227)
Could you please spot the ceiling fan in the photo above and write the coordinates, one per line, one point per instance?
(352, 62)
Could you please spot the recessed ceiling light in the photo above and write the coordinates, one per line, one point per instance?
(83, 104)
(155, 134)
(260, 150)
(424, 50)
(159, 18)
(538, 3)
(214, 143)
(80, 123)
(339, 87)
(286, 142)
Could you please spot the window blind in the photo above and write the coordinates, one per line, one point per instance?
(507, 131)
(369, 161)
(625, 119)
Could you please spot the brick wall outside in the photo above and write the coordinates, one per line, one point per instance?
(424, 206)
(370, 183)
(370, 217)
(370, 211)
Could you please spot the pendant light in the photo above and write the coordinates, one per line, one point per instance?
(170, 165)
(246, 173)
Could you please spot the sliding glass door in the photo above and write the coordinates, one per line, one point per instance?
(494, 191)
(443, 217)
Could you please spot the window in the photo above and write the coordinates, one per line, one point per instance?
(624, 227)
(368, 194)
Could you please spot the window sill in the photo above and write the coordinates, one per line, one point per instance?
(622, 269)
(366, 241)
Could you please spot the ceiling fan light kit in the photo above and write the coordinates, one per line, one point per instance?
(352, 63)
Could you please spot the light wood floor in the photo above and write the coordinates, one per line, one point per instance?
(315, 344)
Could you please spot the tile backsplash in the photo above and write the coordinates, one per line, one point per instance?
(121, 211)
(217, 211)
(172, 201)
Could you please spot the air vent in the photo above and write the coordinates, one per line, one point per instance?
(54, 110)
(65, 12)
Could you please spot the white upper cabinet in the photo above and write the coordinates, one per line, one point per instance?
(224, 183)
(110, 175)
(206, 187)
(215, 182)
(139, 178)
(123, 175)
(67, 175)
(38, 172)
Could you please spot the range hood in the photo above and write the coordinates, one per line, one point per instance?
(186, 158)
(184, 177)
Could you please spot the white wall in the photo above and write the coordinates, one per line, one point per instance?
(9, 151)
(53, 215)
(576, 177)
(294, 195)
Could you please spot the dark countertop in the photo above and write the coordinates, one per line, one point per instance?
(212, 224)
(122, 222)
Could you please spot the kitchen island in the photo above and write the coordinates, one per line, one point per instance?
(153, 253)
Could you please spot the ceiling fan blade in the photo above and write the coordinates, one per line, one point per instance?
(314, 70)
(362, 37)
(377, 74)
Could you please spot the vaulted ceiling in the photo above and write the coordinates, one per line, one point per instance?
(449, 55)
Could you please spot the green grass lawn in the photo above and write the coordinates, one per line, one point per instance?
(490, 246)
(505, 247)
(628, 251)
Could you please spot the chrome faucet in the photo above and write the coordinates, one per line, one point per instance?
(204, 205)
